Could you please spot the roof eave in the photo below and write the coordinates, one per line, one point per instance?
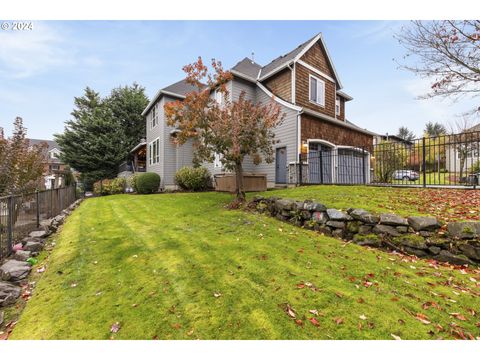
(243, 76)
(336, 121)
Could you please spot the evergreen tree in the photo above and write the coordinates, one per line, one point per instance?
(433, 129)
(93, 142)
(127, 104)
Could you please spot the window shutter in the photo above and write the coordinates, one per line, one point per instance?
(313, 89)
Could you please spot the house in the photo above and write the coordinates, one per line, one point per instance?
(307, 87)
(54, 168)
(379, 138)
(462, 151)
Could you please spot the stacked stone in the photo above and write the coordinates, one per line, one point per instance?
(416, 235)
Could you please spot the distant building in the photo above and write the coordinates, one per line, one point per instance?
(54, 169)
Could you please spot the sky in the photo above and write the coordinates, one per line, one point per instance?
(43, 69)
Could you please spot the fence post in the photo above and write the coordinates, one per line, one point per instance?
(299, 177)
(37, 206)
(10, 224)
(363, 167)
(424, 163)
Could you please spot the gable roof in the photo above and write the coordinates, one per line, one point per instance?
(51, 144)
(248, 68)
(295, 55)
(179, 90)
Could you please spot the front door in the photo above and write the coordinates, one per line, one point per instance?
(281, 166)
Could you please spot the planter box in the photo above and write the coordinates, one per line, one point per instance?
(251, 182)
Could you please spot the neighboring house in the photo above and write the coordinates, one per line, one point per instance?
(54, 168)
(463, 150)
(379, 138)
(306, 86)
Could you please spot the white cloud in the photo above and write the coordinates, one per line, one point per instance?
(26, 53)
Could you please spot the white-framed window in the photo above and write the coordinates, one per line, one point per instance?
(317, 91)
(218, 97)
(154, 152)
(337, 106)
(154, 115)
(217, 162)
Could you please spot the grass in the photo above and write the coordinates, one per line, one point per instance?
(446, 204)
(154, 263)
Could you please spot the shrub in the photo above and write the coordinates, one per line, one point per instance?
(109, 186)
(132, 182)
(147, 183)
(193, 179)
(475, 167)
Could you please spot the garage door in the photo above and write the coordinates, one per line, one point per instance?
(320, 164)
(351, 166)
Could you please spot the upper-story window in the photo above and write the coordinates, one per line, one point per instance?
(218, 97)
(217, 162)
(317, 91)
(337, 106)
(154, 152)
(154, 115)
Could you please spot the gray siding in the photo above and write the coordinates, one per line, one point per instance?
(286, 133)
(153, 133)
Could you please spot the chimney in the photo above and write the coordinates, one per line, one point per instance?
(253, 57)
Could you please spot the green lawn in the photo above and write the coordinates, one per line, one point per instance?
(181, 266)
(446, 204)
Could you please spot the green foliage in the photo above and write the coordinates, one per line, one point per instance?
(433, 129)
(388, 158)
(475, 168)
(132, 182)
(126, 104)
(69, 178)
(103, 131)
(193, 178)
(110, 186)
(405, 133)
(147, 183)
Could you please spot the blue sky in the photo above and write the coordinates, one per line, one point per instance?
(43, 69)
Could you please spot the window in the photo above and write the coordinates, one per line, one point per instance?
(317, 91)
(217, 162)
(337, 106)
(154, 152)
(154, 115)
(218, 97)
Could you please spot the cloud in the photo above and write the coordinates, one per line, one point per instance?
(378, 31)
(26, 53)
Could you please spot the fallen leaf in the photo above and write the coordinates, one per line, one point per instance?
(458, 316)
(290, 311)
(396, 337)
(190, 333)
(299, 322)
(363, 317)
(217, 295)
(314, 321)
(422, 318)
(176, 326)
(314, 312)
(339, 321)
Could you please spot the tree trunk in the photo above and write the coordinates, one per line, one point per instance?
(239, 176)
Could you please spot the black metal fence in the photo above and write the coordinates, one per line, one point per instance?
(328, 165)
(446, 160)
(21, 214)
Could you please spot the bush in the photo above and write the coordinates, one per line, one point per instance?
(475, 167)
(147, 183)
(109, 186)
(193, 179)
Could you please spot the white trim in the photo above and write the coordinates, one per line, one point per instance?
(322, 83)
(315, 70)
(294, 78)
(336, 121)
(243, 76)
(339, 106)
(172, 94)
(277, 99)
(344, 95)
(151, 152)
(329, 58)
(276, 70)
(321, 141)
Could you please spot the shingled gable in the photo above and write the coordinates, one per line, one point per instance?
(293, 56)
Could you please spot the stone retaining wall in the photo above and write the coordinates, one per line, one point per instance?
(414, 235)
(15, 270)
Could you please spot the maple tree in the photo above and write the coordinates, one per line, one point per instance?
(21, 165)
(229, 128)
